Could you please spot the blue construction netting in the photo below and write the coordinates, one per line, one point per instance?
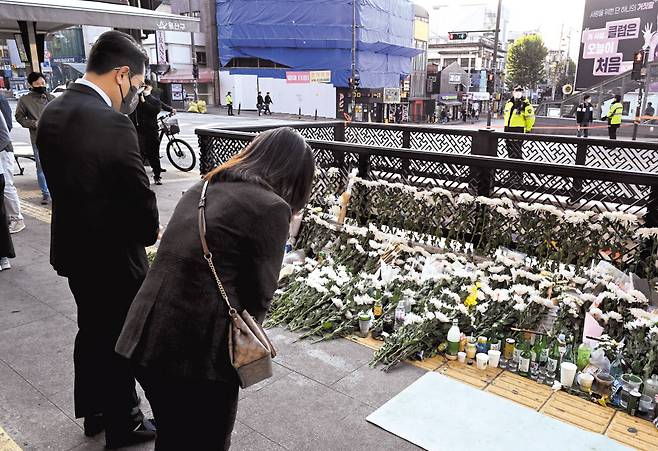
(317, 35)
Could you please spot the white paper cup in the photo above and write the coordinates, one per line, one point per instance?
(494, 358)
(585, 381)
(567, 373)
(482, 359)
(461, 356)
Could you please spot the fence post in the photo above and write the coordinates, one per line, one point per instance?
(364, 165)
(339, 132)
(481, 179)
(406, 144)
(581, 158)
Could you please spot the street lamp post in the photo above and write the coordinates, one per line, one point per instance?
(494, 62)
(195, 63)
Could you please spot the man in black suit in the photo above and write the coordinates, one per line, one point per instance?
(104, 214)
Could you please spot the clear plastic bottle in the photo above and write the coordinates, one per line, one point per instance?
(400, 314)
(454, 337)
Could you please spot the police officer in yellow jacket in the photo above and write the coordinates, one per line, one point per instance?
(614, 117)
(519, 117)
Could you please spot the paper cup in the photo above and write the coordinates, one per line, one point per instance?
(461, 356)
(567, 373)
(482, 359)
(585, 380)
(494, 358)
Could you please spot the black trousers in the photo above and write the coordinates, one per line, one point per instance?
(104, 381)
(190, 414)
(229, 107)
(149, 146)
(582, 128)
(6, 244)
(612, 131)
(514, 146)
(267, 109)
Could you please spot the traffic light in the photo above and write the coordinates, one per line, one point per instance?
(195, 71)
(638, 64)
(457, 36)
(490, 82)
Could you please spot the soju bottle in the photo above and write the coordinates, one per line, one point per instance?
(535, 354)
(454, 337)
(524, 360)
(543, 356)
(553, 358)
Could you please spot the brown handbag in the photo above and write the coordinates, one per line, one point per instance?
(249, 348)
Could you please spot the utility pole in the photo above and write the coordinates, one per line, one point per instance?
(195, 64)
(353, 78)
(494, 62)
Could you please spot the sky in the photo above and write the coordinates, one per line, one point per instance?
(547, 16)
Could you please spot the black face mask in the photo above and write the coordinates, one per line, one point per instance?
(130, 101)
(39, 89)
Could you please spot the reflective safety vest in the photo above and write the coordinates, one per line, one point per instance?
(229, 100)
(515, 118)
(614, 114)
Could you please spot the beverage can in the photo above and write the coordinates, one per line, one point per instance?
(634, 402)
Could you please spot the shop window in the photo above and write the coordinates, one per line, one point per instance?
(201, 58)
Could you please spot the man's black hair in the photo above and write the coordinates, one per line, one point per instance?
(34, 76)
(115, 49)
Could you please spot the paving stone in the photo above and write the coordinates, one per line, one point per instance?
(325, 362)
(297, 412)
(30, 419)
(42, 352)
(374, 387)
(18, 307)
(254, 442)
(278, 372)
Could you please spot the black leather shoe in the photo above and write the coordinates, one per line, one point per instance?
(143, 432)
(158, 180)
(163, 170)
(93, 425)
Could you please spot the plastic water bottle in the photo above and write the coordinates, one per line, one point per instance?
(400, 313)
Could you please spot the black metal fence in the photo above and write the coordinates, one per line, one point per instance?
(591, 152)
(479, 171)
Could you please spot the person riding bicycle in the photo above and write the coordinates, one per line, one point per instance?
(145, 119)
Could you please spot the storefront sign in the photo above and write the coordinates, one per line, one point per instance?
(481, 95)
(298, 77)
(391, 95)
(176, 91)
(613, 30)
(161, 47)
(169, 25)
(454, 78)
(320, 76)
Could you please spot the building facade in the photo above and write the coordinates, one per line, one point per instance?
(420, 104)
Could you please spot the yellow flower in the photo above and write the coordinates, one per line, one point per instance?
(472, 298)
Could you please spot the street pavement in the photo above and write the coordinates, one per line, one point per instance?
(318, 398)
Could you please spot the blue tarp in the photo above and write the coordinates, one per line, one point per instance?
(317, 35)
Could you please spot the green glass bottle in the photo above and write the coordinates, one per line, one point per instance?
(543, 356)
(553, 358)
(535, 354)
(524, 360)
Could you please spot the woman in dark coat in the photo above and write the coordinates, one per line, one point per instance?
(176, 329)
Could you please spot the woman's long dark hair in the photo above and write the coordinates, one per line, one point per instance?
(279, 160)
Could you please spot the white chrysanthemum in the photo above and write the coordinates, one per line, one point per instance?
(595, 312)
(349, 315)
(332, 171)
(577, 217)
(615, 316)
(465, 198)
(337, 302)
(520, 306)
(620, 217)
(412, 318)
(647, 232)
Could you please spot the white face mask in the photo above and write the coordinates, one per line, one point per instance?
(517, 94)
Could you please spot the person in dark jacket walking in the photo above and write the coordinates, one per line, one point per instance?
(260, 103)
(11, 202)
(268, 102)
(6, 245)
(145, 119)
(104, 214)
(584, 115)
(176, 332)
(28, 113)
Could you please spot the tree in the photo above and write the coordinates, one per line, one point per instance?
(525, 62)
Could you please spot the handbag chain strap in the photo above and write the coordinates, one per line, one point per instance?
(207, 255)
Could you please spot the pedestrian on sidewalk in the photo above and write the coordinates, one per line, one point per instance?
(584, 115)
(259, 102)
(104, 214)
(614, 117)
(229, 103)
(649, 113)
(11, 200)
(519, 117)
(176, 332)
(6, 245)
(268, 102)
(28, 113)
(145, 119)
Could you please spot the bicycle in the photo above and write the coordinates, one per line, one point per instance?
(179, 152)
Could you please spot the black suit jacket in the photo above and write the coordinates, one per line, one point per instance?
(104, 212)
(178, 323)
